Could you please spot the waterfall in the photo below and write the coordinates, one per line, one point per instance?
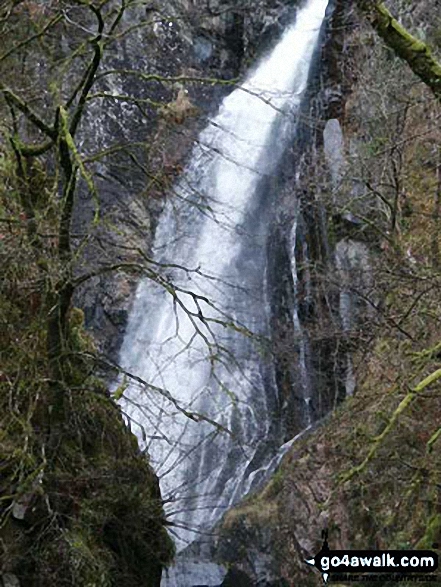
(206, 415)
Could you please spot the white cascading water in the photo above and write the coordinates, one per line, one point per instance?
(210, 243)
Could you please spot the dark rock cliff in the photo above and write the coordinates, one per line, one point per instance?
(311, 354)
(90, 514)
(327, 269)
(368, 472)
(216, 41)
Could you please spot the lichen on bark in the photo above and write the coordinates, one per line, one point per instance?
(415, 52)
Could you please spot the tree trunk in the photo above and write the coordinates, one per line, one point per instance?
(416, 53)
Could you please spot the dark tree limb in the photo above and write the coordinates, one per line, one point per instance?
(30, 114)
(32, 38)
(89, 77)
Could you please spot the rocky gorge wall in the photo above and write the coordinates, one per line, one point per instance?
(302, 250)
(135, 137)
(218, 43)
(215, 42)
(360, 473)
(342, 232)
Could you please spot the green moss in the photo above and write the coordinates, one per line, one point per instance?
(433, 533)
(92, 509)
(83, 562)
(96, 517)
(416, 53)
(275, 486)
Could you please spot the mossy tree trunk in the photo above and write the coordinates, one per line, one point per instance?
(59, 141)
(416, 53)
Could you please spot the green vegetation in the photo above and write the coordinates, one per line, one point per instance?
(80, 504)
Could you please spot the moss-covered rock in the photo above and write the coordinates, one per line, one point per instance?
(92, 514)
(80, 505)
(387, 501)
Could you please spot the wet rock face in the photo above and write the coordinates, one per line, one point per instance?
(216, 40)
(234, 32)
(260, 537)
(310, 351)
(268, 538)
